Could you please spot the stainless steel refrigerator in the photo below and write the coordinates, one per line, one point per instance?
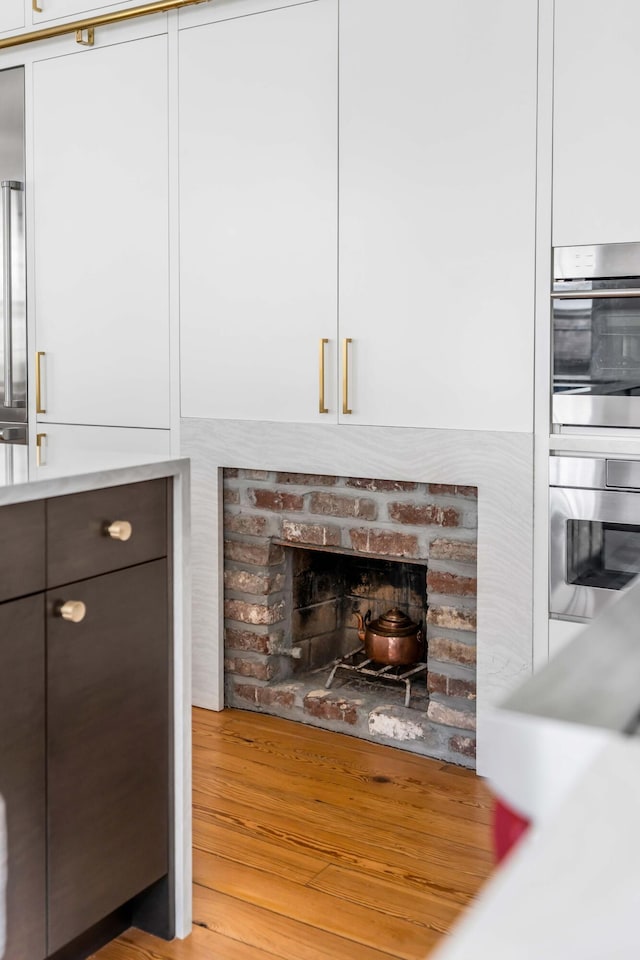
(13, 280)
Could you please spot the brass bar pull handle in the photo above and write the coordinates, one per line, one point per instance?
(35, 7)
(39, 407)
(321, 406)
(345, 375)
(39, 438)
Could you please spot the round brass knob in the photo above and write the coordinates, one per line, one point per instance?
(73, 610)
(120, 530)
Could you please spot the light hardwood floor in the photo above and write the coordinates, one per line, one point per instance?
(310, 845)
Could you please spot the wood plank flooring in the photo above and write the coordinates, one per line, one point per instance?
(310, 845)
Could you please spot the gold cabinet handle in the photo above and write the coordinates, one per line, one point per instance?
(86, 37)
(345, 375)
(39, 438)
(72, 610)
(35, 7)
(39, 407)
(321, 406)
(120, 530)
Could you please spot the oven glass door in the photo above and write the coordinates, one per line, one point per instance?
(596, 352)
(594, 549)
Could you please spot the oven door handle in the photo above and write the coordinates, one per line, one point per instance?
(595, 294)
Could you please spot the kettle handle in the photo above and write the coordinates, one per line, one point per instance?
(362, 624)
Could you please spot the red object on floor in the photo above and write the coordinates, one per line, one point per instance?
(508, 827)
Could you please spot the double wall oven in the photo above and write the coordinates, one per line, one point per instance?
(596, 336)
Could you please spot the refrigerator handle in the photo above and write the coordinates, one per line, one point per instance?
(7, 285)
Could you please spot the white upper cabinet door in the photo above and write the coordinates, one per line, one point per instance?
(11, 15)
(101, 235)
(54, 9)
(258, 214)
(437, 211)
(596, 136)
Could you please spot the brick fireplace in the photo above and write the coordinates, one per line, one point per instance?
(303, 554)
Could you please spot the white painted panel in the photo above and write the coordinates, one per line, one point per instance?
(562, 632)
(11, 15)
(228, 9)
(54, 9)
(437, 210)
(101, 234)
(596, 148)
(70, 448)
(258, 197)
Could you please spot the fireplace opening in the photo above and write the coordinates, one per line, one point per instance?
(306, 556)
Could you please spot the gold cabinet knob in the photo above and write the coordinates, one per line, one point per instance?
(73, 610)
(120, 530)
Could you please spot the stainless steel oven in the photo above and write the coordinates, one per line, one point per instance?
(596, 335)
(594, 533)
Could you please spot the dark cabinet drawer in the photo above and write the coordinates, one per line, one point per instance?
(79, 544)
(22, 563)
(107, 745)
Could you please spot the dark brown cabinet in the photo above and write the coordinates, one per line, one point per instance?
(85, 722)
(22, 772)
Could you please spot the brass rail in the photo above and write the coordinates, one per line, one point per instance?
(103, 20)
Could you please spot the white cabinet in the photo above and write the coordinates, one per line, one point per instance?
(561, 633)
(11, 15)
(258, 214)
(437, 211)
(68, 448)
(596, 139)
(100, 159)
(53, 9)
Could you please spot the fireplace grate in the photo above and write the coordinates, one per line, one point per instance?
(352, 663)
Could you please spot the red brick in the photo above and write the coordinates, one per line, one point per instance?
(331, 505)
(452, 651)
(275, 500)
(393, 486)
(229, 472)
(327, 707)
(451, 686)
(259, 554)
(451, 618)
(253, 612)
(307, 479)
(245, 523)
(260, 584)
(246, 691)
(247, 640)
(275, 696)
(453, 550)
(423, 515)
(449, 717)
(385, 542)
(256, 474)
(466, 746)
(244, 667)
(316, 534)
(229, 495)
(451, 584)
(447, 490)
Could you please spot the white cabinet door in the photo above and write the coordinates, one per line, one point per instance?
(437, 211)
(52, 9)
(596, 138)
(258, 199)
(66, 448)
(11, 15)
(101, 235)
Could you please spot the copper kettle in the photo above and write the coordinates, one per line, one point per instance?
(393, 638)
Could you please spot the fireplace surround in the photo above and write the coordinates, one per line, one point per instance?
(305, 553)
(499, 464)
